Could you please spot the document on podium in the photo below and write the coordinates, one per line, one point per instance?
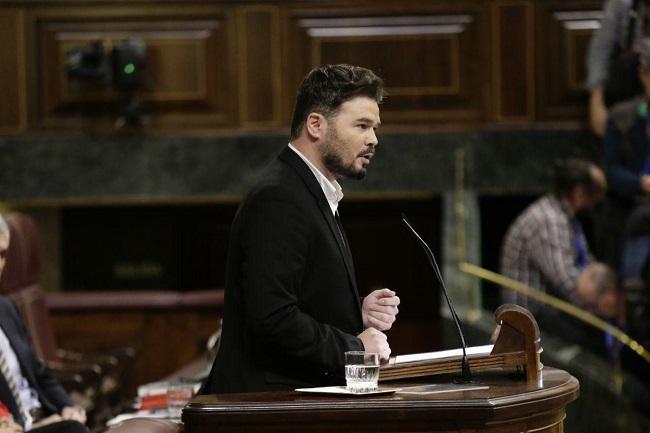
(430, 363)
(432, 356)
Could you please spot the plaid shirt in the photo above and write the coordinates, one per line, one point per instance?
(539, 251)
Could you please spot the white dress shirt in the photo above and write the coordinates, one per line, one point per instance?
(332, 190)
(27, 395)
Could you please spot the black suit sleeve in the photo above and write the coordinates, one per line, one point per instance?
(276, 249)
(51, 394)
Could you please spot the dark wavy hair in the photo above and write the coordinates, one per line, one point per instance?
(572, 172)
(324, 89)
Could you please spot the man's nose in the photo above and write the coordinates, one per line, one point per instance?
(372, 140)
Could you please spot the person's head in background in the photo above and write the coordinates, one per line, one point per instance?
(578, 184)
(4, 243)
(335, 118)
(598, 289)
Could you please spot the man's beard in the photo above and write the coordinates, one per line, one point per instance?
(333, 160)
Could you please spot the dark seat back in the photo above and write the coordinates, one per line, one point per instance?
(33, 307)
(23, 267)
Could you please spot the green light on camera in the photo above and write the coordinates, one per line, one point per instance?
(129, 68)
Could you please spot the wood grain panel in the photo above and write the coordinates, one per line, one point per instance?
(563, 31)
(187, 69)
(504, 406)
(164, 341)
(428, 59)
(12, 108)
(221, 65)
(259, 66)
(512, 63)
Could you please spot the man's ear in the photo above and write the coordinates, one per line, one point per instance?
(316, 126)
(576, 197)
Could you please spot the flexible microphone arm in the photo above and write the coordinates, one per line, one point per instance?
(465, 371)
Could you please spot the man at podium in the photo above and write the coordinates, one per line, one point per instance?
(291, 303)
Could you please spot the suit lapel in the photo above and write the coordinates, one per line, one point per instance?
(291, 158)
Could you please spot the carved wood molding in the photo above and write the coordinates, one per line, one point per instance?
(426, 59)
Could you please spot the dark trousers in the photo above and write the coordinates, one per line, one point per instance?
(610, 229)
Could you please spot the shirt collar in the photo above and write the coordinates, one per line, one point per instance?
(562, 205)
(332, 190)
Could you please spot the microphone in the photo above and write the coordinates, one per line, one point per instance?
(465, 371)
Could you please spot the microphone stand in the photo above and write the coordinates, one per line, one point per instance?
(466, 374)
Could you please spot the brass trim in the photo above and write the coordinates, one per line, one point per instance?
(557, 304)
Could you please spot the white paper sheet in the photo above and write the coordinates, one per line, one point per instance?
(474, 350)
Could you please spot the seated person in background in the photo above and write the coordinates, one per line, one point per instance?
(546, 249)
(33, 397)
(627, 161)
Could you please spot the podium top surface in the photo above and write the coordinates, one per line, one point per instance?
(506, 397)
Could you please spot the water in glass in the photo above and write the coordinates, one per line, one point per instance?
(361, 378)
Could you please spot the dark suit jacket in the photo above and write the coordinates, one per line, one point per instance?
(291, 303)
(50, 393)
(626, 147)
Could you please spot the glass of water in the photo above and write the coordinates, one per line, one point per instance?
(361, 371)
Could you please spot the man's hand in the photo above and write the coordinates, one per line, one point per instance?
(597, 289)
(47, 420)
(8, 425)
(597, 111)
(74, 413)
(645, 183)
(610, 305)
(379, 309)
(375, 341)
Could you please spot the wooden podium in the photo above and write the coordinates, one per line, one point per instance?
(518, 345)
(504, 399)
(508, 405)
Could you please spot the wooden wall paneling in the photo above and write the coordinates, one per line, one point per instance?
(512, 62)
(215, 65)
(189, 76)
(13, 114)
(430, 59)
(164, 340)
(563, 34)
(259, 62)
